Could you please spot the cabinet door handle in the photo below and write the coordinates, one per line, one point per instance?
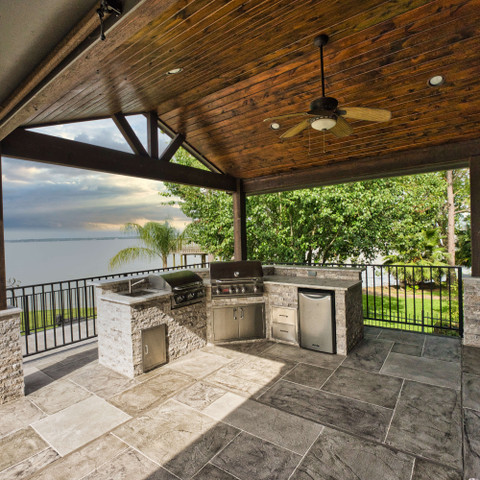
(284, 331)
(234, 313)
(241, 312)
(146, 349)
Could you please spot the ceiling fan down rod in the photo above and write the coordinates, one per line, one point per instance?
(320, 42)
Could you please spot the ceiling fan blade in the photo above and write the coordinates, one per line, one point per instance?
(342, 128)
(296, 129)
(286, 116)
(370, 114)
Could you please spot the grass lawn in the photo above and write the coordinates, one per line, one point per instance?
(47, 318)
(410, 313)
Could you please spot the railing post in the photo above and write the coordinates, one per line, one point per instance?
(460, 300)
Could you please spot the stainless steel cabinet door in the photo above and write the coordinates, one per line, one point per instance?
(154, 347)
(225, 323)
(251, 321)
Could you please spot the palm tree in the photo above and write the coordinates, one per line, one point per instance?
(160, 240)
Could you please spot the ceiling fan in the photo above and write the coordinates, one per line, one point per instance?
(324, 114)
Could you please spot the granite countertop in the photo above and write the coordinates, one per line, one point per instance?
(119, 297)
(311, 282)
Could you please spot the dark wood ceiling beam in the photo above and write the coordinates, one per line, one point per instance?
(130, 136)
(189, 148)
(172, 147)
(152, 134)
(38, 147)
(442, 157)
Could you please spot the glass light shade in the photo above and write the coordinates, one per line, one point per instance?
(436, 80)
(323, 123)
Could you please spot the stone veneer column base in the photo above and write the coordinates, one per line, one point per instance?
(11, 360)
(471, 311)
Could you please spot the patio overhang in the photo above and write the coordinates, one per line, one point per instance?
(241, 62)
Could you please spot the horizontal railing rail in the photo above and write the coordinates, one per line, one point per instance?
(61, 313)
(422, 298)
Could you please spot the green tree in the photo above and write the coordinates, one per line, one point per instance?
(159, 239)
(355, 221)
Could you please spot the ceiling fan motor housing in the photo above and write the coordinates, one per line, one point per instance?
(319, 105)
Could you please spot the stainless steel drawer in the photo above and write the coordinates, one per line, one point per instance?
(284, 315)
(285, 332)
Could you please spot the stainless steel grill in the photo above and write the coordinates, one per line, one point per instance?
(186, 287)
(236, 279)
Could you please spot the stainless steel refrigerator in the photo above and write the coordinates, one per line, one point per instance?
(317, 320)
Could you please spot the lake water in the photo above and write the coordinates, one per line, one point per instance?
(31, 262)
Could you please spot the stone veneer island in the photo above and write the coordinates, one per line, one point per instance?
(122, 318)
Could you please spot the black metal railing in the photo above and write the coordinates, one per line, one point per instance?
(62, 313)
(427, 299)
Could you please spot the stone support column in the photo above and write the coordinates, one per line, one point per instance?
(471, 311)
(11, 366)
(471, 286)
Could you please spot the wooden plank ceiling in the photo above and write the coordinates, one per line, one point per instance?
(245, 60)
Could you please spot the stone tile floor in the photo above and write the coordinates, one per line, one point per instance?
(395, 409)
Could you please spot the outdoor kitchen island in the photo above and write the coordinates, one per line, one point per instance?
(123, 317)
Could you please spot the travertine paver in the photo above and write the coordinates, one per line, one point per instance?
(79, 424)
(248, 411)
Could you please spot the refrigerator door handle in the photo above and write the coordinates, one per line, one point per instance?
(313, 295)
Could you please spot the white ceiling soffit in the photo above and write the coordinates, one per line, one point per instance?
(29, 30)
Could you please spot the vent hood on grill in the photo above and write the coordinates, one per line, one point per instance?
(233, 270)
(181, 278)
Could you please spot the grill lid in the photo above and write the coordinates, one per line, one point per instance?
(182, 278)
(235, 270)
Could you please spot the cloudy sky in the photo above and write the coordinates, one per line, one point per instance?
(43, 201)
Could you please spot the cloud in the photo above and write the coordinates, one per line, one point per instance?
(43, 196)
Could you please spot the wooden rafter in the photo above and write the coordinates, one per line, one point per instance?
(172, 147)
(38, 147)
(130, 136)
(188, 147)
(152, 134)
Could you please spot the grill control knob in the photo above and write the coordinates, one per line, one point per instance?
(243, 289)
(230, 290)
(180, 298)
(255, 289)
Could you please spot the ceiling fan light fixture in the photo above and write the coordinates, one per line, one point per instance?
(436, 81)
(275, 126)
(323, 123)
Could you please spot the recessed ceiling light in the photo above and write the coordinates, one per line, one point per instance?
(436, 80)
(274, 126)
(174, 71)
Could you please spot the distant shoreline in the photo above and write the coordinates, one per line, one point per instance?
(30, 240)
